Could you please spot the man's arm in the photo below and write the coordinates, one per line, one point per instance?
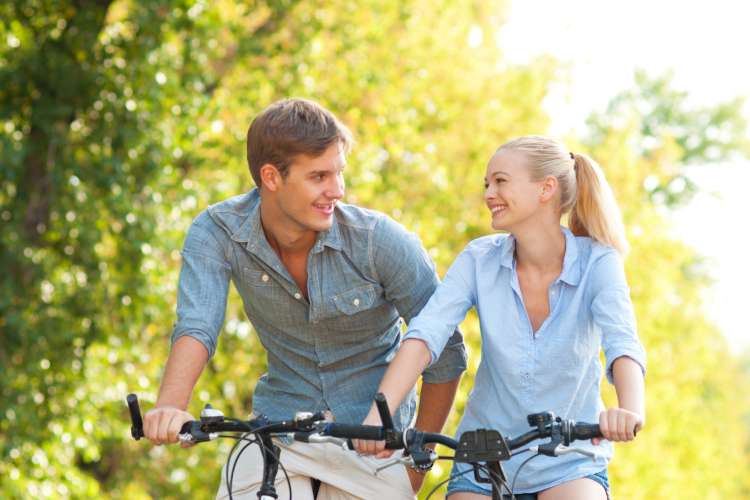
(201, 304)
(186, 361)
(408, 276)
(435, 403)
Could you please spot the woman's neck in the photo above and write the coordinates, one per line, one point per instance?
(540, 248)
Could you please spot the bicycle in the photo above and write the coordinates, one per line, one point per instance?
(484, 449)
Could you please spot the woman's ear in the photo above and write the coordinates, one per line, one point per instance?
(549, 188)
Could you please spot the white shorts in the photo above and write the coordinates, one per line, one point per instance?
(343, 474)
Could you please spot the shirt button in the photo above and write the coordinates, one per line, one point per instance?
(297, 296)
(356, 302)
(264, 278)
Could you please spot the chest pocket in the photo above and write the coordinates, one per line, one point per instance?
(267, 300)
(355, 300)
(256, 278)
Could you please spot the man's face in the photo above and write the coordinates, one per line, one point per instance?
(311, 189)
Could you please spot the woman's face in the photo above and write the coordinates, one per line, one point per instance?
(510, 194)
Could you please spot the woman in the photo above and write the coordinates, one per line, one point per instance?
(548, 297)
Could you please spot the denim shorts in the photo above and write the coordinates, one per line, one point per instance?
(462, 483)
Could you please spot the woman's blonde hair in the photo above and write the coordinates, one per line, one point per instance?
(584, 191)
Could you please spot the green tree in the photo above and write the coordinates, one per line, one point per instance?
(695, 444)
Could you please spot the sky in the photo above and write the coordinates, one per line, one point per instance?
(705, 44)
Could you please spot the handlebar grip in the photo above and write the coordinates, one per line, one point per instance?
(586, 431)
(350, 431)
(136, 430)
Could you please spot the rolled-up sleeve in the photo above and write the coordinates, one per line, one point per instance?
(613, 313)
(203, 285)
(446, 309)
(408, 275)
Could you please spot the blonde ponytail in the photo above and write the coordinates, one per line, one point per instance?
(595, 212)
(584, 192)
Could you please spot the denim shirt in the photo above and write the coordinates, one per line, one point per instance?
(557, 368)
(365, 274)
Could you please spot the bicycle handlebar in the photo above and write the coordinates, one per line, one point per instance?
(473, 446)
(303, 425)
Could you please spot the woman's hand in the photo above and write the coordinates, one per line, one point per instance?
(618, 424)
(369, 447)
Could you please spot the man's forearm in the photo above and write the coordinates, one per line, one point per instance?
(435, 403)
(186, 361)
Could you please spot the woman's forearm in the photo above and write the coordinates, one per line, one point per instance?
(412, 358)
(629, 385)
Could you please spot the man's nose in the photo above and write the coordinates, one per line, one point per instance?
(336, 190)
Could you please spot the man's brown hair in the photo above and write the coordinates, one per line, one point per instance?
(288, 128)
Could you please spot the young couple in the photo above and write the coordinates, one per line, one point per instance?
(326, 286)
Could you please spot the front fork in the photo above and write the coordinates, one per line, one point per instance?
(271, 454)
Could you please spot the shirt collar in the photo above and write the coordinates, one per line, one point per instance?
(571, 271)
(329, 238)
(507, 251)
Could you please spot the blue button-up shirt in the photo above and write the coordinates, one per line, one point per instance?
(557, 368)
(365, 274)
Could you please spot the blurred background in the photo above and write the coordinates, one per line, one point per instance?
(121, 120)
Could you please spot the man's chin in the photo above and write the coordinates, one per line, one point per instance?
(321, 224)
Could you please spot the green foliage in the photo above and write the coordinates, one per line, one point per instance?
(697, 429)
(120, 121)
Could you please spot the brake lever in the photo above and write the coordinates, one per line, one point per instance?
(408, 461)
(563, 450)
(192, 433)
(403, 460)
(319, 438)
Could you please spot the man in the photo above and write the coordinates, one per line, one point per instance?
(325, 285)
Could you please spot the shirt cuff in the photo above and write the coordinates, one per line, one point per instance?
(207, 340)
(639, 356)
(451, 363)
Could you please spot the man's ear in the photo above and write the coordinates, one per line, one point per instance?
(270, 177)
(549, 188)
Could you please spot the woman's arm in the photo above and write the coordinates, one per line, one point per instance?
(423, 343)
(412, 358)
(613, 312)
(622, 423)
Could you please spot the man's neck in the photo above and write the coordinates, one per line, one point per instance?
(285, 239)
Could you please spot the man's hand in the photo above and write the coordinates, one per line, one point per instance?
(618, 424)
(161, 425)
